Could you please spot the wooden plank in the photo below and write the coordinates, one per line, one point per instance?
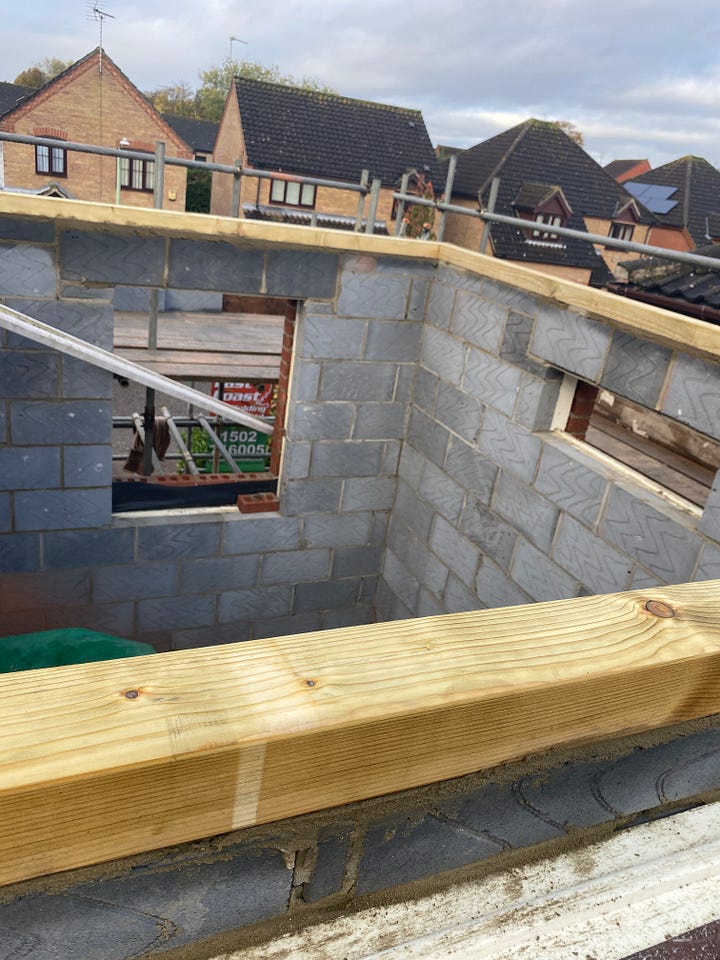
(230, 333)
(214, 739)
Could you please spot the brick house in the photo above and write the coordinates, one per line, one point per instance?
(545, 177)
(622, 170)
(295, 131)
(91, 102)
(684, 197)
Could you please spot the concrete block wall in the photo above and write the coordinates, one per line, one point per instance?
(492, 509)
(211, 896)
(206, 576)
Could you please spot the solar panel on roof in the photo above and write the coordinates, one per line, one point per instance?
(654, 196)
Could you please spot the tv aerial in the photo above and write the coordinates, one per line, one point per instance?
(100, 16)
(235, 40)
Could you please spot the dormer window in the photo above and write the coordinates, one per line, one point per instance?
(625, 218)
(547, 206)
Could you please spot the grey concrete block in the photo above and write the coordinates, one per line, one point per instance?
(331, 595)
(425, 389)
(89, 466)
(590, 559)
(135, 299)
(459, 411)
(380, 421)
(133, 581)
(427, 436)
(169, 613)
(566, 796)
(70, 421)
(457, 552)
(353, 617)
(440, 305)
(305, 380)
(442, 493)
(28, 374)
(173, 541)
(494, 537)
(301, 273)
(84, 380)
(286, 626)
(248, 534)
(708, 567)
(458, 598)
(89, 548)
(218, 574)
(509, 445)
(479, 321)
(414, 555)
(444, 355)
(330, 338)
(401, 849)
(294, 566)
(642, 580)
(30, 231)
(29, 468)
(3, 423)
(419, 290)
(26, 271)
(368, 493)
(356, 561)
(429, 605)
(391, 458)
(173, 904)
(88, 321)
(525, 510)
(196, 301)
(498, 812)
(358, 381)
(536, 402)
(216, 633)
(37, 591)
(693, 394)
(393, 340)
(404, 266)
(337, 530)
(404, 383)
(636, 369)
(79, 291)
(539, 577)
(321, 421)
(516, 343)
(710, 520)
(400, 581)
(513, 297)
(355, 458)
(414, 512)
(377, 295)
(114, 618)
(491, 381)
(470, 469)
(62, 509)
(495, 589)
(656, 539)
(411, 467)
(332, 852)
(571, 342)
(112, 258)
(19, 552)
(261, 603)
(299, 497)
(570, 482)
(203, 265)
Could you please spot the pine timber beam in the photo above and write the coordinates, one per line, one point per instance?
(102, 760)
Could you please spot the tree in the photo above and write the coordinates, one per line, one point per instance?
(212, 93)
(568, 127)
(40, 73)
(177, 99)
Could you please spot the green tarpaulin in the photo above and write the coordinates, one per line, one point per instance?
(58, 648)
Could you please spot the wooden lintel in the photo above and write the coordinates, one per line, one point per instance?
(102, 760)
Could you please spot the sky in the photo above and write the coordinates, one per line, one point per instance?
(639, 78)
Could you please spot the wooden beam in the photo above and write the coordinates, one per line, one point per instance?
(102, 760)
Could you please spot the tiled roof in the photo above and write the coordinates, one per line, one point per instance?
(10, 94)
(616, 168)
(681, 282)
(697, 192)
(326, 135)
(537, 151)
(198, 134)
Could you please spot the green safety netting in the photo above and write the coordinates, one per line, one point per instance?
(58, 648)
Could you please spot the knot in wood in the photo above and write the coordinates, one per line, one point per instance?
(660, 609)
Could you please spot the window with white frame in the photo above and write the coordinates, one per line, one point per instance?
(552, 220)
(292, 194)
(622, 231)
(51, 160)
(137, 174)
